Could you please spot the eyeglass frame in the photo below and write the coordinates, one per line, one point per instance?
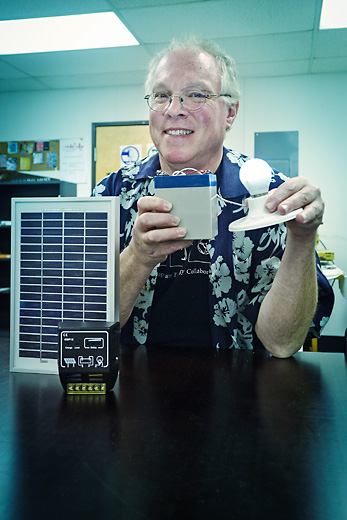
(170, 97)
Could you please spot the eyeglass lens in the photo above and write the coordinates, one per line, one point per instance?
(190, 101)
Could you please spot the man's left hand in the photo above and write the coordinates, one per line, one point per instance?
(297, 193)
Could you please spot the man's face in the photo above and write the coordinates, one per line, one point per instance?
(189, 139)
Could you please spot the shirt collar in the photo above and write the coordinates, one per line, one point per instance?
(228, 175)
(149, 167)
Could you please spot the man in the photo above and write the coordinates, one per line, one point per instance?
(249, 288)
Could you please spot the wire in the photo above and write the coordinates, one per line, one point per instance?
(201, 172)
(229, 201)
(191, 171)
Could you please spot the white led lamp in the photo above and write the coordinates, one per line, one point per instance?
(255, 175)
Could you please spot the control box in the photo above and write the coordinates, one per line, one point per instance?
(194, 201)
(88, 360)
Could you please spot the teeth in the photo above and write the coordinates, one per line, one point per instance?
(179, 132)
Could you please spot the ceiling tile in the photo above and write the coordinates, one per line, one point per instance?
(7, 71)
(15, 85)
(265, 37)
(79, 62)
(286, 46)
(220, 18)
(330, 43)
(119, 4)
(278, 68)
(325, 65)
(16, 9)
(95, 80)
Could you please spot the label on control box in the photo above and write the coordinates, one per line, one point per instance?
(84, 350)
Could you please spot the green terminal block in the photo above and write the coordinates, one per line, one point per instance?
(86, 388)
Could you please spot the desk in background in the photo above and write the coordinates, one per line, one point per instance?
(185, 435)
(332, 273)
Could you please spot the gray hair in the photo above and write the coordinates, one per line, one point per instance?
(229, 83)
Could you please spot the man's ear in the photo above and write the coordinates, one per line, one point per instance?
(232, 113)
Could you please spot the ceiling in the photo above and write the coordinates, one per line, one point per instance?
(265, 37)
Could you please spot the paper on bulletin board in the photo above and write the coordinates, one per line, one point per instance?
(72, 160)
(24, 163)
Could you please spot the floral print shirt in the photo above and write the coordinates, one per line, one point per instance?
(242, 264)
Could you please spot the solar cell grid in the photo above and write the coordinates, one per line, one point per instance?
(63, 272)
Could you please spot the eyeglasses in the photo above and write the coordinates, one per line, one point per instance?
(191, 100)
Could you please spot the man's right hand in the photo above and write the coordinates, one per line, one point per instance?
(156, 232)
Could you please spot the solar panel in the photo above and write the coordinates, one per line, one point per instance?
(63, 267)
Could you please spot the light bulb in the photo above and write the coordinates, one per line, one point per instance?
(255, 175)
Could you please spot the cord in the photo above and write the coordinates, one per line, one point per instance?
(229, 201)
(185, 171)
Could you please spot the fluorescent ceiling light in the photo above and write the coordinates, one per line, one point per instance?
(64, 33)
(333, 14)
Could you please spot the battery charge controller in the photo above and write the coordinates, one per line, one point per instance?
(88, 360)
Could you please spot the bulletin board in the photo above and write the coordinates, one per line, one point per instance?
(114, 143)
(29, 156)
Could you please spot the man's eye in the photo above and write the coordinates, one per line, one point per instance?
(195, 95)
(160, 96)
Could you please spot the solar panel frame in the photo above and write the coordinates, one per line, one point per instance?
(64, 266)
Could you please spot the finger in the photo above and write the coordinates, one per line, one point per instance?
(293, 194)
(312, 214)
(146, 204)
(285, 190)
(150, 220)
(165, 235)
(157, 252)
(301, 199)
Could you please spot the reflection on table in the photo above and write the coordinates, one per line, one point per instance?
(186, 434)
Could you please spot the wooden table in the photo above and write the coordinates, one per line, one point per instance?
(186, 434)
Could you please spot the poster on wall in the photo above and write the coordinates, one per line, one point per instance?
(130, 154)
(72, 160)
(151, 150)
(3, 160)
(11, 164)
(12, 148)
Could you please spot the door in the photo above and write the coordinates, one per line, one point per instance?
(116, 144)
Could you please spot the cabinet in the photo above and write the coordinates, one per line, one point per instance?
(20, 185)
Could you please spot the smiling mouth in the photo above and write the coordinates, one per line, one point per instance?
(178, 132)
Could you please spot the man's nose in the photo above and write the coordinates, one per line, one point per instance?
(176, 105)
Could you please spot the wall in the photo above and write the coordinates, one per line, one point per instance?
(316, 107)
(313, 105)
(67, 113)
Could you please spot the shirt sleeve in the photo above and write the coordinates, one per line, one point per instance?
(107, 186)
(266, 258)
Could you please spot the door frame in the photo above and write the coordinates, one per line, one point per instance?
(114, 123)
